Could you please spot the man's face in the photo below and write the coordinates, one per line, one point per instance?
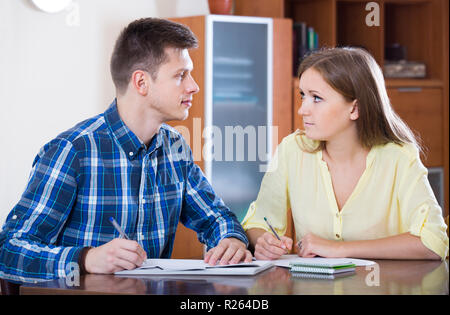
(170, 94)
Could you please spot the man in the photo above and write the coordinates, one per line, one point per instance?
(126, 164)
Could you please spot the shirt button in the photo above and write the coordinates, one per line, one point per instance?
(338, 236)
(131, 153)
(14, 217)
(337, 215)
(143, 201)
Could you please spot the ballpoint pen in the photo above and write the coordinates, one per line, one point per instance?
(275, 233)
(118, 228)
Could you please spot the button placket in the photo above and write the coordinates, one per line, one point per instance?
(338, 226)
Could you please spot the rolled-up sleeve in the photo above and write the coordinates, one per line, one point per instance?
(421, 214)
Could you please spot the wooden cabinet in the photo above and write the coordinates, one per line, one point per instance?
(240, 84)
(421, 109)
(421, 26)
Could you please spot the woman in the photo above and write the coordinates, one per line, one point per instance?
(353, 178)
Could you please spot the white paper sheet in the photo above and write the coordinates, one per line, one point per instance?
(196, 267)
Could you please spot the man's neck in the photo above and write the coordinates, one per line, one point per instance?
(139, 118)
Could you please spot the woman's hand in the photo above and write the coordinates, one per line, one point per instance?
(312, 245)
(268, 247)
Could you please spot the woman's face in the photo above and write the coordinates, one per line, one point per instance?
(326, 113)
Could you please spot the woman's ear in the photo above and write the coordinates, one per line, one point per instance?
(354, 114)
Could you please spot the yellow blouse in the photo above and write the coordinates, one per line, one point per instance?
(393, 196)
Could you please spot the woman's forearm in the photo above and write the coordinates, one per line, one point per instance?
(402, 246)
(253, 235)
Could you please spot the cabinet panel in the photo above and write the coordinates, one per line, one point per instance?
(241, 109)
(421, 109)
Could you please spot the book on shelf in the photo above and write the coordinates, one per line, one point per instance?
(305, 40)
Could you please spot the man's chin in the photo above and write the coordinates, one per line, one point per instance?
(180, 117)
(185, 116)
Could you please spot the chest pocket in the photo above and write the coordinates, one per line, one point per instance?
(170, 199)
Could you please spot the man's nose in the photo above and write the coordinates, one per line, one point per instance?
(192, 86)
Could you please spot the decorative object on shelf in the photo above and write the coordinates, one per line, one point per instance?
(404, 69)
(51, 6)
(220, 6)
(395, 52)
(397, 66)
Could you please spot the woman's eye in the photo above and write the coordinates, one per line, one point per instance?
(302, 95)
(317, 99)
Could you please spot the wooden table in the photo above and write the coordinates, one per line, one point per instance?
(387, 277)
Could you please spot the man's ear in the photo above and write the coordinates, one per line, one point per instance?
(140, 82)
(354, 114)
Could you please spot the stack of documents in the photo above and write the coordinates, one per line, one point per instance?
(195, 267)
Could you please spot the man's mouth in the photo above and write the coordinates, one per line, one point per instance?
(187, 103)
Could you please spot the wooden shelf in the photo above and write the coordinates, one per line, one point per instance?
(393, 83)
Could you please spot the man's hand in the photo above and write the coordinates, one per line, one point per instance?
(116, 255)
(228, 251)
(267, 247)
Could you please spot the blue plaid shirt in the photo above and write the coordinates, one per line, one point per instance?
(99, 169)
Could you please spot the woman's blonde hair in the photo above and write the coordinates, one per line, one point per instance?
(354, 73)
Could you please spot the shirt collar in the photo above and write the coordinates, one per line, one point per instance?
(129, 142)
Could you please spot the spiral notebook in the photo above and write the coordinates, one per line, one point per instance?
(321, 276)
(322, 266)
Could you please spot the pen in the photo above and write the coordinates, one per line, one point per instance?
(118, 228)
(273, 231)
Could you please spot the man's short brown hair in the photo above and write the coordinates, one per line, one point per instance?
(141, 46)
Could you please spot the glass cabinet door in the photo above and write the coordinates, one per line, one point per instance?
(241, 108)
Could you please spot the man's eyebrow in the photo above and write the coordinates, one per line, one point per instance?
(184, 69)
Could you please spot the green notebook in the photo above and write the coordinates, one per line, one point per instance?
(323, 267)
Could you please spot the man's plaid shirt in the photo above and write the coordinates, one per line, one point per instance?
(99, 169)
